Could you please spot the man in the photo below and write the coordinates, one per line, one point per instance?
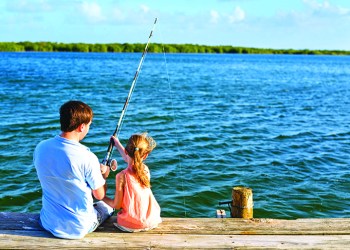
(69, 175)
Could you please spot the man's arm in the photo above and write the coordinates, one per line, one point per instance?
(101, 192)
(116, 202)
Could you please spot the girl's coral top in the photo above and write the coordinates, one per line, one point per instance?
(140, 210)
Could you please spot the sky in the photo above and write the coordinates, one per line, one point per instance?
(277, 24)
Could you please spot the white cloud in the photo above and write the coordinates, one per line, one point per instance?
(144, 8)
(92, 11)
(326, 8)
(316, 5)
(29, 6)
(117, 14)
(238, 15)
(214, 16)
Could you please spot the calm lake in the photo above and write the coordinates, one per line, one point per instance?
(279, 124)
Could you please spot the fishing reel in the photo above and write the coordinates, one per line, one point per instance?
(112, 164)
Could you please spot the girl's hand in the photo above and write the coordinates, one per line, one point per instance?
(120, 148)
(115, 140)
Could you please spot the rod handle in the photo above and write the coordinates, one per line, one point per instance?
(106, 160)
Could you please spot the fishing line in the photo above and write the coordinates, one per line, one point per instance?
(175, 122)
(107, 160)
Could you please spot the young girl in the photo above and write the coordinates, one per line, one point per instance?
(133, 195)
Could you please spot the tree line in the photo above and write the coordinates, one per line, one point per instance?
(153, 48)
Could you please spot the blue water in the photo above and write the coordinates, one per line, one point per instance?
(279, 124)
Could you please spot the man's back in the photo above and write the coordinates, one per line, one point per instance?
(67, 171)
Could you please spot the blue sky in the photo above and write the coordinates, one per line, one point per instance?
(297, 24)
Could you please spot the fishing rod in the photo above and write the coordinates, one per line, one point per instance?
(107, 160)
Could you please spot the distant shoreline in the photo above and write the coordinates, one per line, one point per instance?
(153, 48)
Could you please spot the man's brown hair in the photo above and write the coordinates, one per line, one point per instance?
(73, 114)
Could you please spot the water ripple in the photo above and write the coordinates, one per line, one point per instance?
(278, 124)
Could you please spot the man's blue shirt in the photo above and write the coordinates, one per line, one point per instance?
(67, 171)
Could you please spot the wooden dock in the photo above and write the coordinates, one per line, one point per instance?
(22, 231)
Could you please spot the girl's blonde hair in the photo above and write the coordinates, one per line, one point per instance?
(137, 147)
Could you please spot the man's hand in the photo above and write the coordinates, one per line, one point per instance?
(104, 170)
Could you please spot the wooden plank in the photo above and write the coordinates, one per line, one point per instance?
(214, 226)
(217, 226)
(19, 221)
(35, 240)
(18, 230)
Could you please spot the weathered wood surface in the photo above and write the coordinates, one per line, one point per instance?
(18, 230)
(242, 203)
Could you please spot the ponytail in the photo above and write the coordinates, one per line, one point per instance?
(138, 146)
(140, 168)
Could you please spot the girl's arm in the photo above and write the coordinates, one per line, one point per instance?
(119, 194)
(120, 148)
